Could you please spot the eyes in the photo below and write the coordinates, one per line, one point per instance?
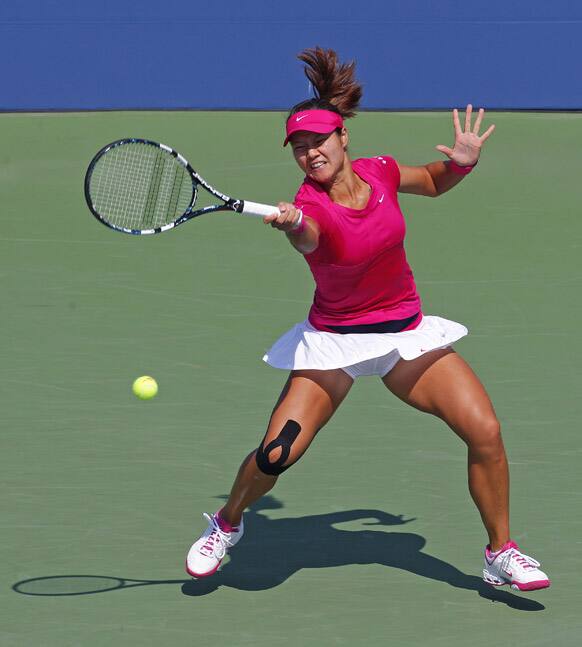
(301, 148)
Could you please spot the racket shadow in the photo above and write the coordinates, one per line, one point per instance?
(82, 584)
(273, 550)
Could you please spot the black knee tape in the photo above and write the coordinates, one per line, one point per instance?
(284, 440)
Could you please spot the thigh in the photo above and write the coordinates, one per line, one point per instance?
(443, 384)
(307, 402)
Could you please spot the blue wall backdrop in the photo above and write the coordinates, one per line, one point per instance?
(236, 54)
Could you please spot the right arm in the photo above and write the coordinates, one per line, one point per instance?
(303, 236)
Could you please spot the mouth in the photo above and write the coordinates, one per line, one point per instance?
(316, 165)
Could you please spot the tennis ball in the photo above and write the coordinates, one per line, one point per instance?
(145, 387)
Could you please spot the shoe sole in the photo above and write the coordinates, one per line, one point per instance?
(522, 586)
(199, 575)
(531, 586)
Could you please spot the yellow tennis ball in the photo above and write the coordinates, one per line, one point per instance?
(145, 387)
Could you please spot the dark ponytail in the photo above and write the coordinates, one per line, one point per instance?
(335, 86)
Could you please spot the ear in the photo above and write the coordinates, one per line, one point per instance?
(345, 138)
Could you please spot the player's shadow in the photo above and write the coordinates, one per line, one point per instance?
(273, 550)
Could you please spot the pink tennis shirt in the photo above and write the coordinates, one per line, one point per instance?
(360, 268)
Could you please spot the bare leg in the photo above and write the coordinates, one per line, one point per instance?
(443, 384)
(310, 398)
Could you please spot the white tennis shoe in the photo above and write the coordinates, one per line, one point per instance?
(510, 566)
(206, 555)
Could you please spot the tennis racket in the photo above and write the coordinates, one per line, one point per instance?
(138, 186)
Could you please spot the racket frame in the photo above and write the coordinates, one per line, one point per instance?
(230, 204)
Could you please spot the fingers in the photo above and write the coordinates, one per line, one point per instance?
(456, 122)
(286, 219)
(468, 113)
(444, 149)
(487, 133)
(478, 121)
(476, 126)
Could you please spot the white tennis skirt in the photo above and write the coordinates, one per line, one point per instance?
(305, 347)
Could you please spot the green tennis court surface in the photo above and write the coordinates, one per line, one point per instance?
(372, 536)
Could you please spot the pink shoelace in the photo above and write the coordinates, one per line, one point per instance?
(514, 555)
(217, 542)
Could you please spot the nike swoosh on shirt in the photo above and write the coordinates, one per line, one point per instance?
(381, 199)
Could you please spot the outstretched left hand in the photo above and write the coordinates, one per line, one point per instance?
(467, 146)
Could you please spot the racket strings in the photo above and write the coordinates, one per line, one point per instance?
(140, 186)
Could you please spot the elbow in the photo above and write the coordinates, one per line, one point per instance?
(306, 248)
(432, 190)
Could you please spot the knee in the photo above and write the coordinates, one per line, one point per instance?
(485, 438)
(275, 457)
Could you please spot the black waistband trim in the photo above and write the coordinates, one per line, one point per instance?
(395, 325)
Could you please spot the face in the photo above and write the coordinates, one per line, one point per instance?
(321, 156)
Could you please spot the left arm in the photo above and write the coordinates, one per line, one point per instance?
(436, 178)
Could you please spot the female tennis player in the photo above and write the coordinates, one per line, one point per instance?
(366, 318)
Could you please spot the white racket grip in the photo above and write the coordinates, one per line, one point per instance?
(258, 209)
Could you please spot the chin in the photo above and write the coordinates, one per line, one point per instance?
(319, 176)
